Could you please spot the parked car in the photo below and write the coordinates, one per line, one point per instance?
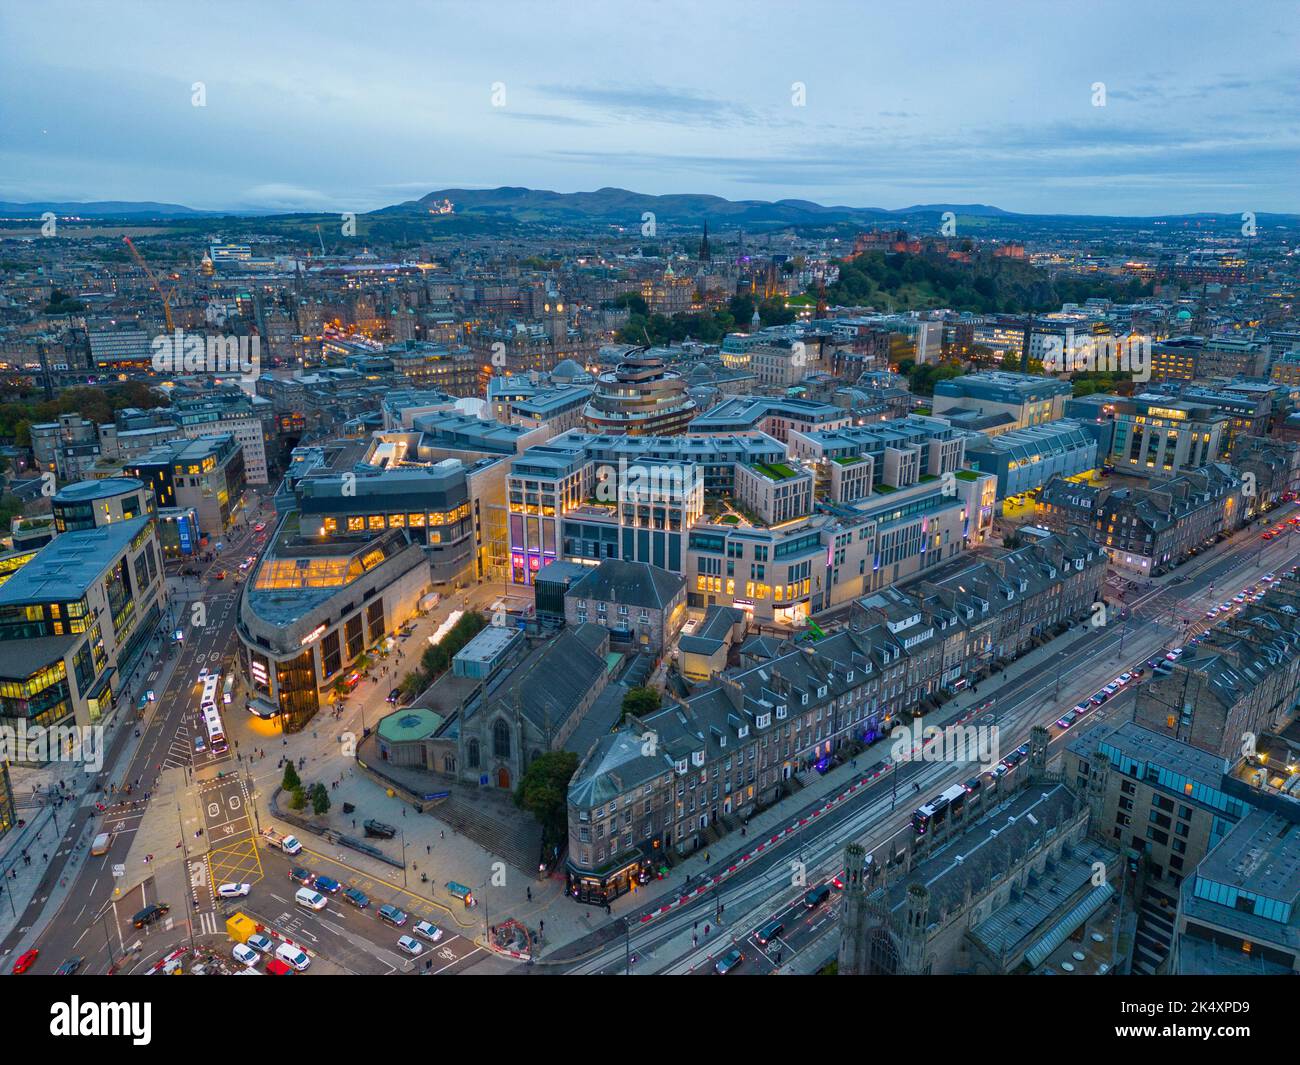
(245, 955)
(234, 891)
(291, 955)
(260, 943)
(428, 930)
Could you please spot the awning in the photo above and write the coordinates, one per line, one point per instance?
(1061, 931)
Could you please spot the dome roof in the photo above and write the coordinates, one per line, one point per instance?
(569, 369)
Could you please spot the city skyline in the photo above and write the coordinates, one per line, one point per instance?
(839, 107)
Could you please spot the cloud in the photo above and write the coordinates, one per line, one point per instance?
(653, 103)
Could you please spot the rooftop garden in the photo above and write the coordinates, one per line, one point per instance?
(777, 471)
(968, 475)
(848, 460)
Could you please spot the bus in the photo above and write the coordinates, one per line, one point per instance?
(228, 690)
(210, 685)
(933, 812)
(216, 732)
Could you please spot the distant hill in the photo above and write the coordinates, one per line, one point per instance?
(621, 207)
(499, 210)
(101, 209)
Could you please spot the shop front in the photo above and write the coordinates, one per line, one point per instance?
(598, 887)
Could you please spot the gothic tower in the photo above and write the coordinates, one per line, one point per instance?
(853, 924)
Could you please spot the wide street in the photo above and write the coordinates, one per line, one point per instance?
(94, 922)
(759, 889)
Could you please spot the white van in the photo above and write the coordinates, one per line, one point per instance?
(245, 955)
(309, 900)
(291, 955)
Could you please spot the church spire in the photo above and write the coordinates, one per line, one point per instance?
(705, 253)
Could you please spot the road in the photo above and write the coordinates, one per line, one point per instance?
(164, 739)
(761, 889)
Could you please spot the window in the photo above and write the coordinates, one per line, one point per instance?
(472, 754)
(500, 739)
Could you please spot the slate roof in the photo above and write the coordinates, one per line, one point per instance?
(634, 583)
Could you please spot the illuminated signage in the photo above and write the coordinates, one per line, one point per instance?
(315, 634)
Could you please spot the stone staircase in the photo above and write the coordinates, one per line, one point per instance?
(510, 834)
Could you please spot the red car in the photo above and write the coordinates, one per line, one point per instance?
(25, 961)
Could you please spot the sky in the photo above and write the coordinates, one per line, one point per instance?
(326, 105)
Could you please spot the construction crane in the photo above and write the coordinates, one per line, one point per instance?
(166, 297)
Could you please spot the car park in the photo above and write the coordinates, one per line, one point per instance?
(234, 891)
(428, 930)
(410, 945)
(245, 955)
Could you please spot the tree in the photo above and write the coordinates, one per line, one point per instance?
(297, 799)
(320, 799)
(291, 779)
(544, 792)
(640, 701)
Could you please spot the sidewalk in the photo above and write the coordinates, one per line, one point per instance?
(57, 795)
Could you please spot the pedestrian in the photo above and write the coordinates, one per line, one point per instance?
(442, 834)
(428, 849)
(706, 931)
(530, 894)
(354, 822)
